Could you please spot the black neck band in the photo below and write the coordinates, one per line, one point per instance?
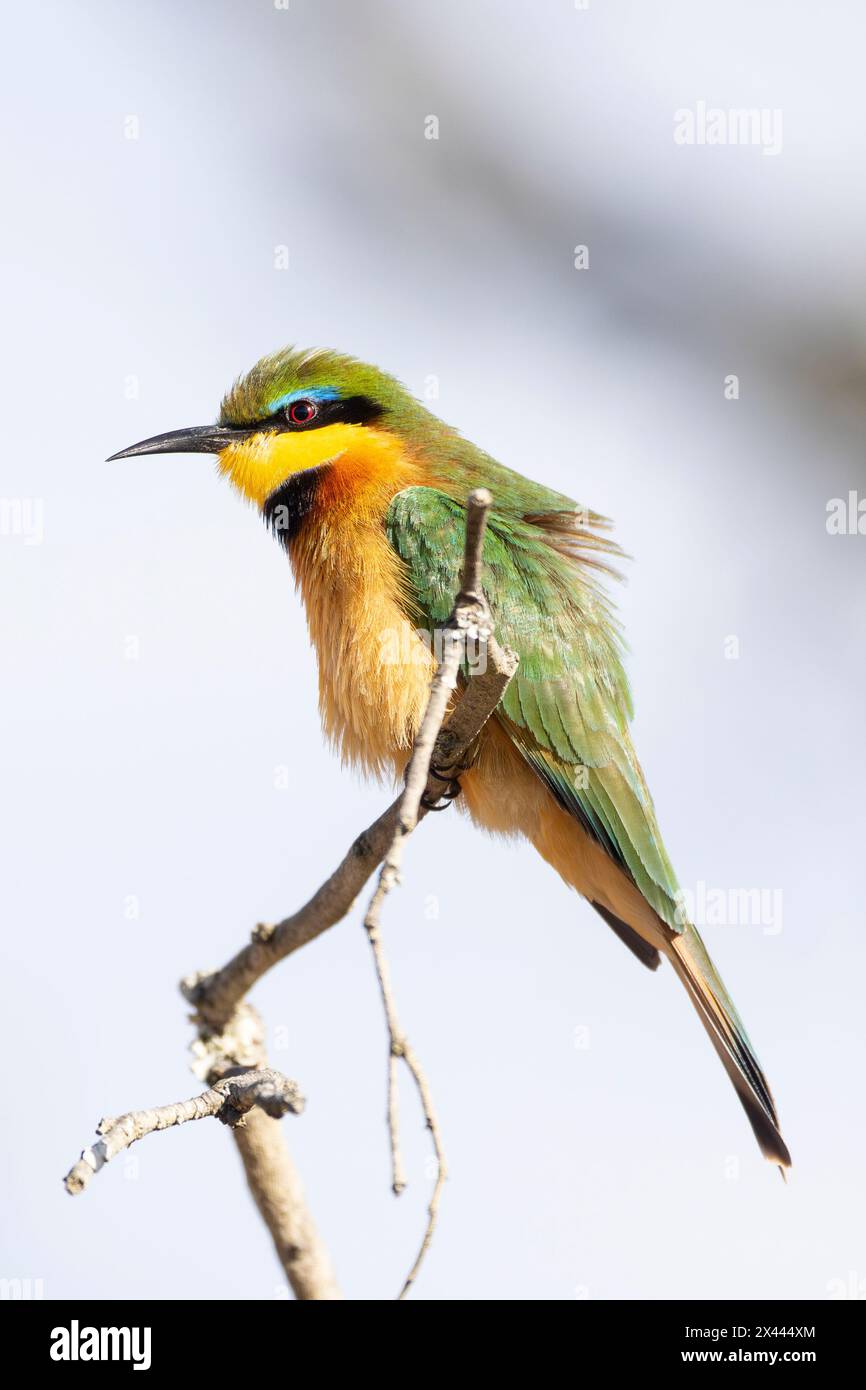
(289, 505)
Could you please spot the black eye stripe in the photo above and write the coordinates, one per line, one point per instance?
(353, 410)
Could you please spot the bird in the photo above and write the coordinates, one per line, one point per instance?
(366, 490)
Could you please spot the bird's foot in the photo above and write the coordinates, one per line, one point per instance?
(451, 788)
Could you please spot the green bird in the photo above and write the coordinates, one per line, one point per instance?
(366, 490)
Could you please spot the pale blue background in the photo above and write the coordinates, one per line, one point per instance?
(599, 1171)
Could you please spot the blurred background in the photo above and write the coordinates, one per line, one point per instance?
(189, 187)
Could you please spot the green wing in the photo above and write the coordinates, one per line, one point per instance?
(568, 707)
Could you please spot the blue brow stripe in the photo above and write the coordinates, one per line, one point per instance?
(308, 393)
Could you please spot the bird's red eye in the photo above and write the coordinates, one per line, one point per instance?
(302, 412)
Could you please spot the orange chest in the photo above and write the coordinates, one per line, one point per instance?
(374, 668)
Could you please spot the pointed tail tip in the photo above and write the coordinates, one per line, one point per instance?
(781, 1157)
(715, 1008)
(765, 1126)
(774, 1148)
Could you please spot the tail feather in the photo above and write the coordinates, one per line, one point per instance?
(690, 959)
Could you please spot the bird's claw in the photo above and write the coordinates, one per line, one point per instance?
(451, 785)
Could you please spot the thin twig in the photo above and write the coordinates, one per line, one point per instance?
(469, 618)
(229, 1101)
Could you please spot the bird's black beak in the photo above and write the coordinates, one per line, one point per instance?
(198, 439)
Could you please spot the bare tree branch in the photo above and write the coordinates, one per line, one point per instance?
(229, 1048)
(249, 1096)
(271, 1175)
(229, 1101)
(278, 1193)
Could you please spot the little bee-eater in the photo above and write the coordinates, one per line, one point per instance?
(366, 491)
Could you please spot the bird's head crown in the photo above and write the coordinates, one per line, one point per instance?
(312, 387)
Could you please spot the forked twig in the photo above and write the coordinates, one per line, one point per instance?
(229, 1101)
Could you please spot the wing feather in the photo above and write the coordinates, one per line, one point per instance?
(567, 709)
